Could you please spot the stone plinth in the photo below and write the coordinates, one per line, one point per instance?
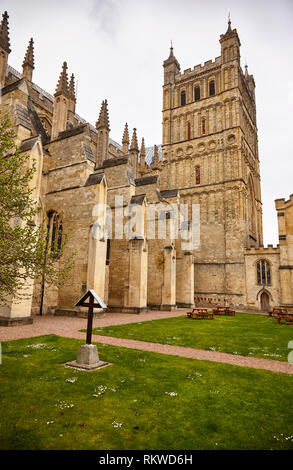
(87, 358)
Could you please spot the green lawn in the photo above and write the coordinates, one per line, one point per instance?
(245, 334)
(142, 401)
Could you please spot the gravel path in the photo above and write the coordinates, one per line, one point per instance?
(69, 326)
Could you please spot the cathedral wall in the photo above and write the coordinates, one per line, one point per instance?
(75, 209)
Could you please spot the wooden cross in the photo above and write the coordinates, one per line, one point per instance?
(91, 304)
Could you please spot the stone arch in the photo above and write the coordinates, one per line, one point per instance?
(264, 297)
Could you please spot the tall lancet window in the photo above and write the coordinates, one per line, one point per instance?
(183, 98)
(196, 93)
(212, 88)
(54, 231)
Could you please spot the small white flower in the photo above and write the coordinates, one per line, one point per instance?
(172, 394)
(74, 379)
(116, 424)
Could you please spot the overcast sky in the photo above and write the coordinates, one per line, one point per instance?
(116, 50)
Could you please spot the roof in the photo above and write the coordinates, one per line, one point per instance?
(94, 178)
(71, 132)
(146, 180)
(23, 116)
(169, 193)
(137, 199)
(114, 162)
(28, 144)
(96, 297)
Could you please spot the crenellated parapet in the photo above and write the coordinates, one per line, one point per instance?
(263, 250)
(199, 69)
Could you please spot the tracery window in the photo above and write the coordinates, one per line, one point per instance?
(263, 272)
(54, 231)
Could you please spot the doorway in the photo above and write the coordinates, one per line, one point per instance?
(265, 302)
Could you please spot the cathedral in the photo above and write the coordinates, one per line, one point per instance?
(208, 160)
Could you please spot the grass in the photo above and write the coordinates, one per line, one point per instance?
(142, 401)
(244, 334)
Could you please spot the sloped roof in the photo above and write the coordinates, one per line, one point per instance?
(96, 297)
(28, 144)
(94, 178)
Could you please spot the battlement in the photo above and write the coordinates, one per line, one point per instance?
(280, 203)
(197, 69)
(270, 249)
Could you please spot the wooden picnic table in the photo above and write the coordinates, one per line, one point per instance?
(278, 311)
(223, 311)
(200, 314)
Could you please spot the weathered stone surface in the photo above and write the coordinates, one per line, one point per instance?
(209, 158)
(87, 358)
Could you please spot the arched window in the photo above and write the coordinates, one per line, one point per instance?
(197, 174)
(196, 93)
(212, 88)
(54, 231)
(203, 126)
(183, 98)
(188, 131)
(263, 272)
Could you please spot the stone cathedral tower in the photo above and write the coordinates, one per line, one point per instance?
(210, 154)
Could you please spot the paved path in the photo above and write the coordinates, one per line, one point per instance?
(69, 326)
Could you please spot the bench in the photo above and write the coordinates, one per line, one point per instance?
(223, 311)
(287, 317)
(278, 311)
(200, 314)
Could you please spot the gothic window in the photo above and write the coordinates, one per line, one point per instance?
(212, 88)
(263, 272)
(54, 231)
(203, 126)
(196, 93)
(183, 98)
(197, 174)
(188, 131)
